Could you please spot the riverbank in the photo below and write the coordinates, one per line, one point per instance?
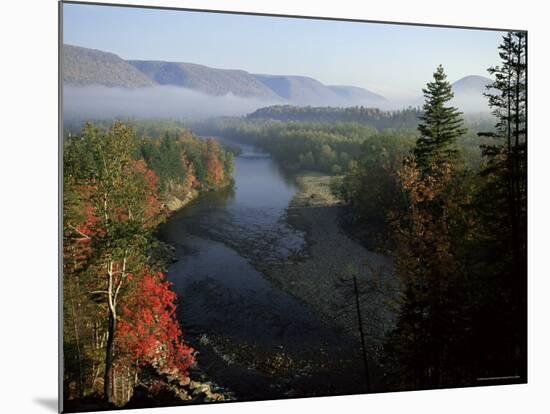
(174, 203)
(201, 388)
(322, 275)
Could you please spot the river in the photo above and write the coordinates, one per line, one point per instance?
(253, 338)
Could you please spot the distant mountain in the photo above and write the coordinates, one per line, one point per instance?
(298, 89)
(242, 92)
(215, 82)
(82, 66)
(471, 84)
(468, 95)
(302, 90)
(469, 92)
(357, 94)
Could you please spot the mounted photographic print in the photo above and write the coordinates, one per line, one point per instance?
(259, 207)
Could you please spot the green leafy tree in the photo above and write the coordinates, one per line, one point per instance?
(370, 189)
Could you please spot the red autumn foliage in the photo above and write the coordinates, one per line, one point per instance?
(89, 226)
(148, 330)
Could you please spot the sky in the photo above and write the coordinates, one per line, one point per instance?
(393, 60)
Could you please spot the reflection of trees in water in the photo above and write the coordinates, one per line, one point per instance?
(216, 199)
(258, 233)
(287, 176)
(221, 197)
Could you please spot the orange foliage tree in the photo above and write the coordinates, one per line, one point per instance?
(427, 339)
(214, 167)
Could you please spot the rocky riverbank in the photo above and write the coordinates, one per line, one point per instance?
(322, 275)
(174, 203)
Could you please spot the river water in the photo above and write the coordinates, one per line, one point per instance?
(253, 338)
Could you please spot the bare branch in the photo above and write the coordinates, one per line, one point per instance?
(79, 232)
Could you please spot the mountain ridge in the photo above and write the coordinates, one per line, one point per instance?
(202, 78)
(83, 66)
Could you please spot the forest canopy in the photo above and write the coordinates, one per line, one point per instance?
(120, 326)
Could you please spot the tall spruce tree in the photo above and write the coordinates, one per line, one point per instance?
(427, 344)
(441, 124)
(506, 158)
(503, 198)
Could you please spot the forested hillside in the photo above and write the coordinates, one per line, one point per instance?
(119, 312)
(203, 79)
(82, 66)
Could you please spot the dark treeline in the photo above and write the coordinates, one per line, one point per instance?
(457, 232)
(120, 329)
(405, 118)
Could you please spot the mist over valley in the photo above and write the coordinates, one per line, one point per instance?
(102, 85)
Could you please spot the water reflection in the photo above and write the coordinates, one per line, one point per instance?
(218, 238)
(251, 213)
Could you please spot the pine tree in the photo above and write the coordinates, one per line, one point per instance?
(503, 198)
(441, 124)
(506, 159)
(427, 342)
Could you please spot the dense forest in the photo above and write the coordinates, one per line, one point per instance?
(331, 147)
(120, 329)
(457, 234)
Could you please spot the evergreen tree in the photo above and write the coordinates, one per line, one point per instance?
(502, 200)
(428, 342)
(506, 159)
(441, 124)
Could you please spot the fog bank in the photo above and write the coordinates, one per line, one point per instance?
(101, 102)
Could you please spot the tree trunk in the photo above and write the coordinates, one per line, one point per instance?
(77, 340)
(107, 384)
(109, 354)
